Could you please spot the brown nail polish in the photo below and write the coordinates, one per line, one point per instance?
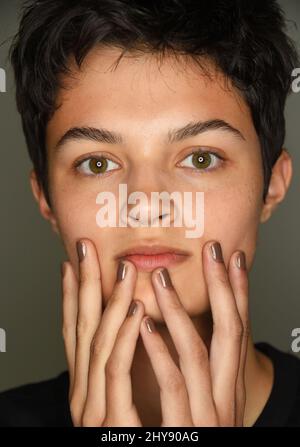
(150, 325)
(132, 308)
(121, 271)
(81, 250)
(216, 252)
(241, 260)
(165, 279)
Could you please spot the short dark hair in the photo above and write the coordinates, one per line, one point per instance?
(246, 40)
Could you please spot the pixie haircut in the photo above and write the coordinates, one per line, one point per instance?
(246, 40)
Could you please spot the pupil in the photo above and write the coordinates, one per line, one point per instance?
(201, 161)
(98, 166)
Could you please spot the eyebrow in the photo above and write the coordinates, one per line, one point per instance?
(191, 129)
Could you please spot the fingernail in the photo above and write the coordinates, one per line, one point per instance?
(241, 260)
(132, 308)
(216, 252)
(165, 279)
(121, 271)
(150, 325)
(81, 250)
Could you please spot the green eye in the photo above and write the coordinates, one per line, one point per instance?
(96, 165)
(202, 161)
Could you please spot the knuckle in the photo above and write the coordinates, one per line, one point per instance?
(67, 331)
(96, 347)
(66, 291)
(83, 278)
(175, 305)
(223, 280)
(235, 330)
(232, 329)
(220, 276)
(113, 299)
(112, 369)
(199, 354)
(173, 382)
(83, 327)
(161, 351)
(110, 303)
(88, 280)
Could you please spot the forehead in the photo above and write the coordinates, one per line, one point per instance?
(144, 91)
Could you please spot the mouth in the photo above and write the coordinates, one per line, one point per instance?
(147, 258)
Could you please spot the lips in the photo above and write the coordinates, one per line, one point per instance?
(146, 258)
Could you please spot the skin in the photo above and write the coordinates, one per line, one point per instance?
(143, 101)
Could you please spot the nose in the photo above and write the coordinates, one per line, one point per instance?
(148, 203)
(142, 216)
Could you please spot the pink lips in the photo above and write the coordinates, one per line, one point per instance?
(147, 258)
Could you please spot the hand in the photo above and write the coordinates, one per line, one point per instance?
(100, 345)
(208, 388)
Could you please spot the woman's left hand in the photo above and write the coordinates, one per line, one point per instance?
(209, 388)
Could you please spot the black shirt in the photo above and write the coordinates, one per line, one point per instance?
(45, 404)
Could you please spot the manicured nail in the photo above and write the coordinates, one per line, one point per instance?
(150, 325)
(241, 260)
(121, 271)
(216, 252)
(165, 279)
(81, 250)
(132, 308)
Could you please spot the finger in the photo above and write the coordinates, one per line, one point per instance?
(239, 281)
(88, 318)
(119, 402)
(227, 333)
(173, 393)
(103, 343)
(193, 355)
(69, 315)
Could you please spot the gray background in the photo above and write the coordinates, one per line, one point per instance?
(30, 295)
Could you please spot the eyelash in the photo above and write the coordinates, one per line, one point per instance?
(200, 152)
(79, 163)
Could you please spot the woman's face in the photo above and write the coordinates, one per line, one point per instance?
(143, 100)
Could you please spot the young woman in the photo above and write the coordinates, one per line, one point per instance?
(155, 324)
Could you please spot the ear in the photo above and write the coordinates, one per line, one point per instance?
(39, 195)
(279, 184)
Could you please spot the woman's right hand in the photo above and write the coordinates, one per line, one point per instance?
(89, 336)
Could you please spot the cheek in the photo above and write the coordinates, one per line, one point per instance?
(233, 218)
(77, 220)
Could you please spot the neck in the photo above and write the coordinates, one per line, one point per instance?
(146, 393)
